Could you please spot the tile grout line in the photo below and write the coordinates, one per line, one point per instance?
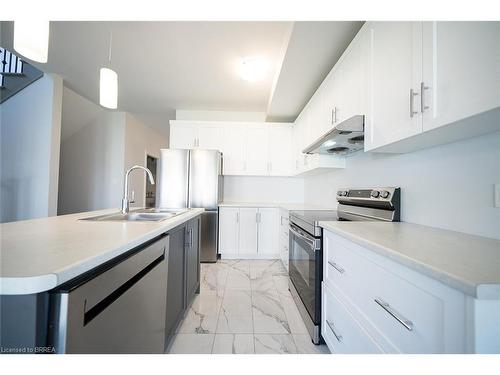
(219, 310)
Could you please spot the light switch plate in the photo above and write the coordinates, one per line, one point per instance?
(497, 195)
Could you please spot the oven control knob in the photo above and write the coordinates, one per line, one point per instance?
(375, 194)
(345, 193)
(340, 193)
(384, 194)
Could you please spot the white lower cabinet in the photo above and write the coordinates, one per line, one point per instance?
(229, 237)
(268, 232)
(284, 239)
(249, 233)
(341, 332)
(401, 310)
(247, 224)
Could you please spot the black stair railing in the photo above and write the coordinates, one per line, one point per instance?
(15, 74)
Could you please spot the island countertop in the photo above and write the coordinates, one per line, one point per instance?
(465, 262)
(38, 255)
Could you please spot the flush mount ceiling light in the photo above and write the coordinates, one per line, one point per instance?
(253, 69)
(31, 39)
(108, 83)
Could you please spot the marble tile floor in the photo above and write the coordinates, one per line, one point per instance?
(244, 307)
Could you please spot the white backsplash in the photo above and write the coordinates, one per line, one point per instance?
(449, 186)
(263, 189)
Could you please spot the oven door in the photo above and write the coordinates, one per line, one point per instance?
(305, 268)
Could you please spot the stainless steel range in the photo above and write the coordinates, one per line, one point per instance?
(306, 252)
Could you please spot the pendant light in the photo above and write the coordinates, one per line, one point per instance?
(31, 39)
(108, 83)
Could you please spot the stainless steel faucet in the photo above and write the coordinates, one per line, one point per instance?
(125, 201)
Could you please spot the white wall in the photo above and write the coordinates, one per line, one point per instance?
(140, 140)
(220, 116)
(30, 124)
(95, 155)
(263, 189)
(448, 186)
(91, 167)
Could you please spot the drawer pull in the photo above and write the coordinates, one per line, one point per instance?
(408, 324)
(336, 266)
(332, 328)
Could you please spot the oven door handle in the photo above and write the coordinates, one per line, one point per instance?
(312, 242)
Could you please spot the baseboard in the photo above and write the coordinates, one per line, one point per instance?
(250, 256)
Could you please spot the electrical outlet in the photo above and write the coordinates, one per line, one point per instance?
(497, 195)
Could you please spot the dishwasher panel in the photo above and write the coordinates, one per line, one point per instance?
(119, 310)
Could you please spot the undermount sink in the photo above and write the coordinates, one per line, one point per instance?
(145, 214)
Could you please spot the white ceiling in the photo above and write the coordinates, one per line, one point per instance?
(163, 66)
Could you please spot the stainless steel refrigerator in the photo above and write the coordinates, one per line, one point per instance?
(193, 179)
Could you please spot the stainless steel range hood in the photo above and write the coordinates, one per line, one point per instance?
(345, 138)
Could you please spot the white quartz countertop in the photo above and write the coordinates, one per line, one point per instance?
(37, 255)
(465, 262)
(284, 205)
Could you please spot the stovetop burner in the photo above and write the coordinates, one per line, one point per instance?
(373, 204)
(309, 219)
(316, 215)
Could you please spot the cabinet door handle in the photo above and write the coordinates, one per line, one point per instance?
(332, 328)
(423, 87)
(189, 239)
(336, 266)
(412, 109)
(408, 324)
(237, 217)
(334, 115)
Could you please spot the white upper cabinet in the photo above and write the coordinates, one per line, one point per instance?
(431, 83)
(350, 96)
(280, 150)
(195, 135)
(183, 136)
(256, 147)
(249, 149)
(209, 137)
(394, 76)
(461, 70)
(332, 96)
(233, 150)
(315, 118)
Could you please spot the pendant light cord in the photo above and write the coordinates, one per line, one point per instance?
(110, 46)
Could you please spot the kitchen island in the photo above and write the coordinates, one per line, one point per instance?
(40, 257)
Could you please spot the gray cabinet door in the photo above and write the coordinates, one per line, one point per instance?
(192, 259)
(176, 285)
